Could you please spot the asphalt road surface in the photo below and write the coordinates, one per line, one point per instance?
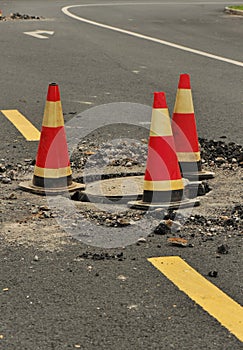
(61, 302)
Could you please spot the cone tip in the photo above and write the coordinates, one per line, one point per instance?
(159, 100)
(53, 94)
(184, 82)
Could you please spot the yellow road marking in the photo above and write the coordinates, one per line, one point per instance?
(22, 124)
(204, 293)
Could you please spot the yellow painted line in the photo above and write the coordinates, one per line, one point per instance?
(24, 126)
(204, 293)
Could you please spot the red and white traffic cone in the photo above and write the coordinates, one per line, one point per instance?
(163, 184)
(185, 133)
(52, 172)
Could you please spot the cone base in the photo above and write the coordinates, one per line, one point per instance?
(184, 203)
(29, 187)
(199, 175)
(194, 189)
(48, 182)
(193, 171)
(190, 167)
(163, 196)
(130, 188)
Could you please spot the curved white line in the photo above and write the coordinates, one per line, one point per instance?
(65, 10)
(156, 3)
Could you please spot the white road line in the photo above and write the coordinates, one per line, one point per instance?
(39, 34)
(65, 10)
(158, 3)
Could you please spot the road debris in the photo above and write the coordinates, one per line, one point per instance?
(219, 153)
(107, 154)
(221, 212)
(162, 229)
(18, 16)
(122, 278)
(177, 241)
(213, 273)
(11, 196)
(132, 307)
(223, 249)
(142, 240)
(102, 256)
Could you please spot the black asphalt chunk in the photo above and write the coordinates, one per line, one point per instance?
(223, 249)
(213, 273)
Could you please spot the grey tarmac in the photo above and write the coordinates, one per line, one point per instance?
(57, 292)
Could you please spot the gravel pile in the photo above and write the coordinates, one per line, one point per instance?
(125, 153)
(220, 153)
(230, 222)
(128, 154)
(14, 172)
(17, 15)
(115, 219)
(96, 216)
(233, 220)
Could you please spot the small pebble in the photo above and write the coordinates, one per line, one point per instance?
(213, 273)
(223, 249)
(121, 278)
(142, 240)
(6, 180)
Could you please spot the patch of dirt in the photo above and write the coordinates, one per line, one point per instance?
(46, 235)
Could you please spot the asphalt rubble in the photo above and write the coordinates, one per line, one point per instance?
(220, 214)
(19, 16)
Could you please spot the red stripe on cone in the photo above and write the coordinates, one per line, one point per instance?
(185, 132)
(162, 163)
(52, 151)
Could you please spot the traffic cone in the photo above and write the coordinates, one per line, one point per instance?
(163, 184)
(185, 133)
(52, 172)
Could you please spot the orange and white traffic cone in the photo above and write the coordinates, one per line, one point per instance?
(185, 133)
(163, 185)
(52, 172)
